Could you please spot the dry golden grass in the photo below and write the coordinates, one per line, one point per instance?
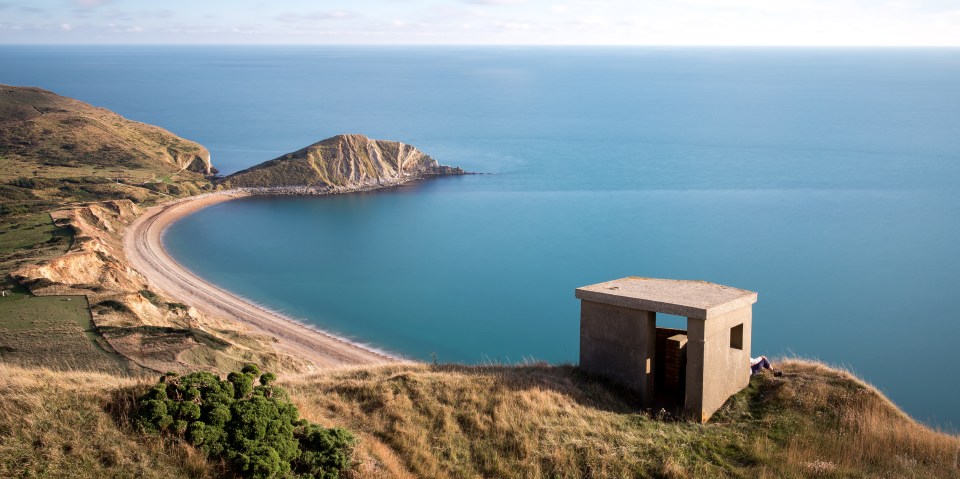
(848, 426)
(528, 421)
(541, 421)
(65, 424)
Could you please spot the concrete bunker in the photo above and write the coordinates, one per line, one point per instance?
(692, 371)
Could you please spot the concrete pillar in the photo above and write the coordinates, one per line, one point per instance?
(618, 343)
(718, 361)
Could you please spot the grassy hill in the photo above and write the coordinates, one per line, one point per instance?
(57, 151)
(532, 421)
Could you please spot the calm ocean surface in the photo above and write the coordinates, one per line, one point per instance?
(826, 180)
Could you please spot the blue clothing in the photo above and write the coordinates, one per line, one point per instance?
(759, 365)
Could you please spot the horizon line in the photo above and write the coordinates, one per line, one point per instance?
(510, 45)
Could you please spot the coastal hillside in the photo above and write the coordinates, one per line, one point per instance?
(343, 161)
(57, 151)
(72, 179)
(62, 131)
(532, 421)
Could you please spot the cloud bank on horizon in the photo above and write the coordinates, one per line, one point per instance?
(453, 22)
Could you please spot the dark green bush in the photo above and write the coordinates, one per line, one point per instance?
(255, 428)
(323, 451)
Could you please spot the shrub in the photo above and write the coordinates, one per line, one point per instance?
(177, 307)
(255, 428)
(114, 305)
(323, 451)
(150, 296)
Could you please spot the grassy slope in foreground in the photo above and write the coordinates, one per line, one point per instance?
(526, 421)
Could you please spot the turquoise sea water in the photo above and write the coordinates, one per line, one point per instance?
(826, 180)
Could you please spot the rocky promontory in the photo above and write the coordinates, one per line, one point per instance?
(342, 163)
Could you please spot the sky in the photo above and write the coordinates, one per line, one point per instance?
(484, 22)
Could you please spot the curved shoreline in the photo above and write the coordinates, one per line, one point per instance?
(143, 246)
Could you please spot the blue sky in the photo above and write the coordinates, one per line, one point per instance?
(551, 22)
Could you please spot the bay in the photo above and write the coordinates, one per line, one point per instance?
(824, 179)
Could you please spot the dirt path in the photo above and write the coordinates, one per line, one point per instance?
(145, 253)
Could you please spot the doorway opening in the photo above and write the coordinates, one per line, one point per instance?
(670, 363)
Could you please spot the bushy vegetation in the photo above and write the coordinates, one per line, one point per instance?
(254, 427)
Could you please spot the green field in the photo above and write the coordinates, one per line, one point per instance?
(30, 238)
(53, 331)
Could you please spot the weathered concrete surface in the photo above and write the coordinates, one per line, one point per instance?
(618, 343)
(715, 371)
(693, 299)
(618, 337)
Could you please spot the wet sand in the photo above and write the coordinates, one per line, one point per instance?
(145, 253)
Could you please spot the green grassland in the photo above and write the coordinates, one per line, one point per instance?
(53, 331)
(29, 186)
(30, 238)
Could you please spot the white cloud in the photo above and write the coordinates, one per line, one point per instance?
(91, 3)
(495, 2)
(329, 15)
(632, 22)
(514, 25)
(592, 20)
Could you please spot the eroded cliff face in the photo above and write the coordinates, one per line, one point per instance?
(141, 324)
(343, 161)
(93, 259)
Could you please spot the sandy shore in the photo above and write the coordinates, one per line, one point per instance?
(144, 249)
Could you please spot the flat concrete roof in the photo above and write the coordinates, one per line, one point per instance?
(693, 299)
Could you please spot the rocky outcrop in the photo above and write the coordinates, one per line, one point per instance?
(343, 162)
(44, 127)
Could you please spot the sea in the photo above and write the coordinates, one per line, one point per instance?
(827, 180)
